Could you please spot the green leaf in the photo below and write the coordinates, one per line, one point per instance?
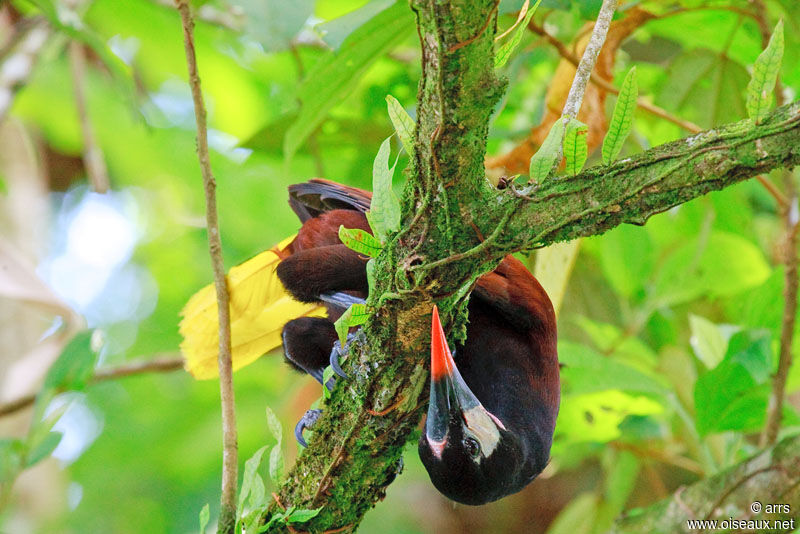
(723, 264)
(708, 341)
(276, 461)
(12, 452)
(251, 482)
(43, 448)
(706, 87)
(360, 241)
(327, 374)
(622, 119)
(622, 470)
(597, 416)
(335, 76)
(577, 517)
(203, 517)
(355, 315)
(733, 395)
(72, 370)
(765, 71)
(384, 212)
(575, 149)
(585, 371)
(335, 31)
(403, 124)
(302, 515)
(505, 51)
(543, 162)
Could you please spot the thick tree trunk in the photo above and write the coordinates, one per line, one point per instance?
(456, 227)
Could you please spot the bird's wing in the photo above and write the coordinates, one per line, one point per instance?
(259, 307)
(513, 292)
(317, 196)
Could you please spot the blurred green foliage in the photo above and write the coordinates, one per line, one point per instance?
(668, 332)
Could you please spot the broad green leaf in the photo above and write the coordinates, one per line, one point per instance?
(41, 450)
(276, 454)
(336, 30)
(586, 371)
(403, 124)
(575, 149)
(74, 366)
(274, 23)
(597, 416)
(505, 51)
(612, 341)
(733, 395)
(622, 119)
(335, 76)
(724, 264)
(251, 480)
(203, 517)
(708, 341)
(355, 315)
(761, 88)
(705, 87)
(360, 241)
(543, 162)
(302, 515)
(384, 212)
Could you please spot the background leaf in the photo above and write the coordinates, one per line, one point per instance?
(334, 77)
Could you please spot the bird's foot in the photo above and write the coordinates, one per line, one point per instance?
(337, 352)
(306, 423)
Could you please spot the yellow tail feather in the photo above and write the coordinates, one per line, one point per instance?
(260, 306)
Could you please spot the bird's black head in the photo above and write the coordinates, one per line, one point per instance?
(470, 455)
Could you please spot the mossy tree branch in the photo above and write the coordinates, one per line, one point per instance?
(456, 227)
(768, 478)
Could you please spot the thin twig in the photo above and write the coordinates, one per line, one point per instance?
(227, 518)
(93, 160)
(567, 54)
(157, 365)
(586, 64)
(791, 214)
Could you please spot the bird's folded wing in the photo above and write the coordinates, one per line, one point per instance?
(259, 308)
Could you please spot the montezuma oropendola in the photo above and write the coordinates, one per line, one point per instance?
(493, 404)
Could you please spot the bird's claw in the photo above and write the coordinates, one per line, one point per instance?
(338, 352)
(305, 423)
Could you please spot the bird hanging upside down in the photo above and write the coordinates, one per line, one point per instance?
(493, 404)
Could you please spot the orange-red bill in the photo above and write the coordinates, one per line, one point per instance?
(441, 360)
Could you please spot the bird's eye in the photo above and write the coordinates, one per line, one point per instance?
(472, 447)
